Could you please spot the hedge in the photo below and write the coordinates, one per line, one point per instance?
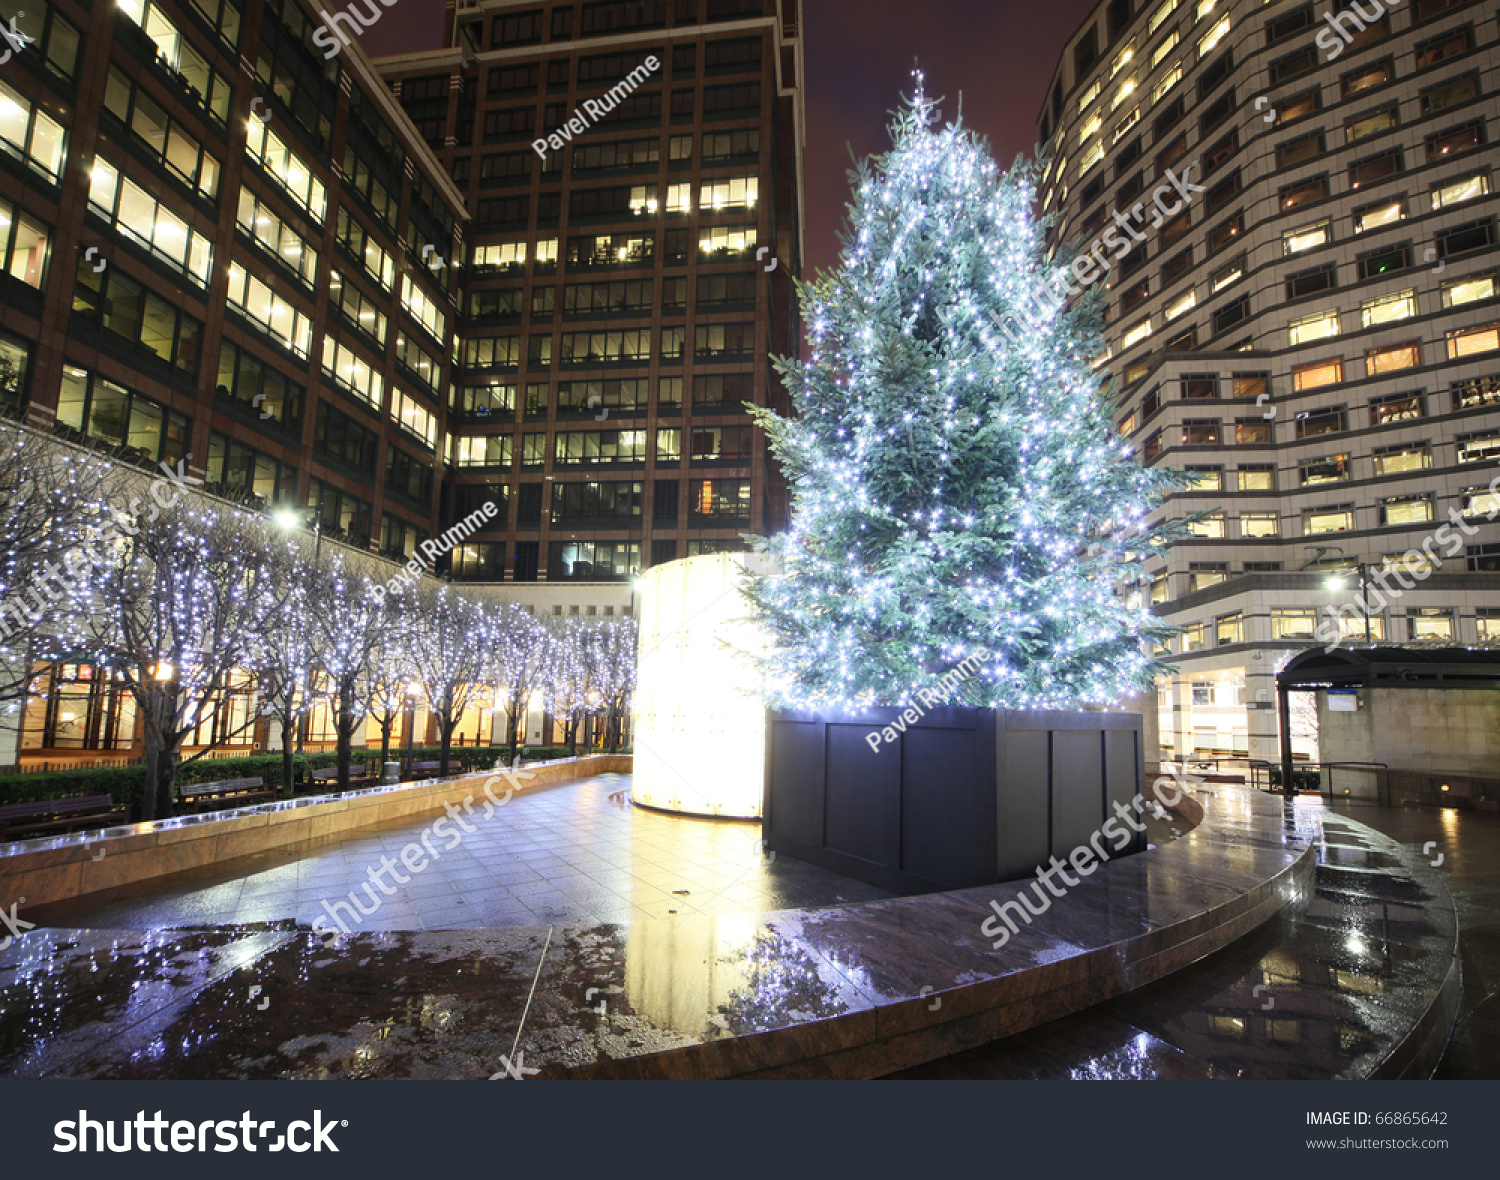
(125, 784)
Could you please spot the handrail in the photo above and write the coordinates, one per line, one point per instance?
(1257, 765)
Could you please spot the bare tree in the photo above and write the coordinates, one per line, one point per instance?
(177, 610)
(349, 634)
(450, 657)
(569, 675)
(617, 640)
(391, 671)
(282, 659)
(520, 656)
(54, 515)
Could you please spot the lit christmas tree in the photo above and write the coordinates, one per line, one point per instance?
(959, 492)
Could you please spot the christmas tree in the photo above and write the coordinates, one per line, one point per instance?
(960, 497)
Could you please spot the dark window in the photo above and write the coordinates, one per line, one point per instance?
(344, 440)
(1215, 73)
(1293, 65)
(1200, 385)
(1168, 118)
(509, 80)
(1221, 152)
(1455, 141)
(1296, 151)
(1232, 314)
(1304, 192)
(1386, 260)
(1312, 423)
(1119, 16)
(1085, 53)
(1176, 266)
(1173, 230)
(1170, 154)
(741, 55)
(1374, 168)
(1222, 193)
(524, 28)
(684, 61)
(665, 496)
(529, 504)
(1134, 297)
(1131, 188)
(617, 15)
(1222, 108)
(1127, 155)
(1310, 282)
(1289, 24)
(1441, 48)
(1461, 239)
(1226, 233)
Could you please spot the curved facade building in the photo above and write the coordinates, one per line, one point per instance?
(1306, 319)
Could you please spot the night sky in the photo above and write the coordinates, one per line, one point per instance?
(859, 54)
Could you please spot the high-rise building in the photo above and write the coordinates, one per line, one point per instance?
(1312, 331)
(214, 232)
(633, 171)
(223, 240)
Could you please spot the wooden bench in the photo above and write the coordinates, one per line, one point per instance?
(358, 775)
(20, 821)
(433, 769)
(229, 792)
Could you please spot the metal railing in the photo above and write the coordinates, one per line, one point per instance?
(1325, 775)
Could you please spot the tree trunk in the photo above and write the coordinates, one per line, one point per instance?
(515, 729)
(385, 739)
(288, 761)
(570, 731)
(345, 738)
(446, 726)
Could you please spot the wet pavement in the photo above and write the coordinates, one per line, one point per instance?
(1348, 983)
(828, 988)
(576, 853)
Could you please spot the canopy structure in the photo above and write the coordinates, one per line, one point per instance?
(1379, 667)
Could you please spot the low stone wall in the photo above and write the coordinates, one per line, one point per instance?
(41, 872)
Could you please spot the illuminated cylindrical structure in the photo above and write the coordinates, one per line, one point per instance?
(700, 726)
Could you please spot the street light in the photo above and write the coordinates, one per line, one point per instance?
(412, 691)
(289, 519)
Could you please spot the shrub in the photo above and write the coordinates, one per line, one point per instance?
(124, 784)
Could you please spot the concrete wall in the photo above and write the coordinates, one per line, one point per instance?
(1419, 730)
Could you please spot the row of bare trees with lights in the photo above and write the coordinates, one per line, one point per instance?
(187, 601)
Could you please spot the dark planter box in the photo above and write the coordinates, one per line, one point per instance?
(963, 797)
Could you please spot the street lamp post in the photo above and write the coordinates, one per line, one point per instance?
(1337, 583)
(289, 519)
(411, 721)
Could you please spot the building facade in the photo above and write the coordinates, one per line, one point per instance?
(360, 297)
(1307, 322)
(634, 175)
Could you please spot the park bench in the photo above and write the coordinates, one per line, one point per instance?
(434, 769)
(21, 821)
(229, 792)
(359, 775)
